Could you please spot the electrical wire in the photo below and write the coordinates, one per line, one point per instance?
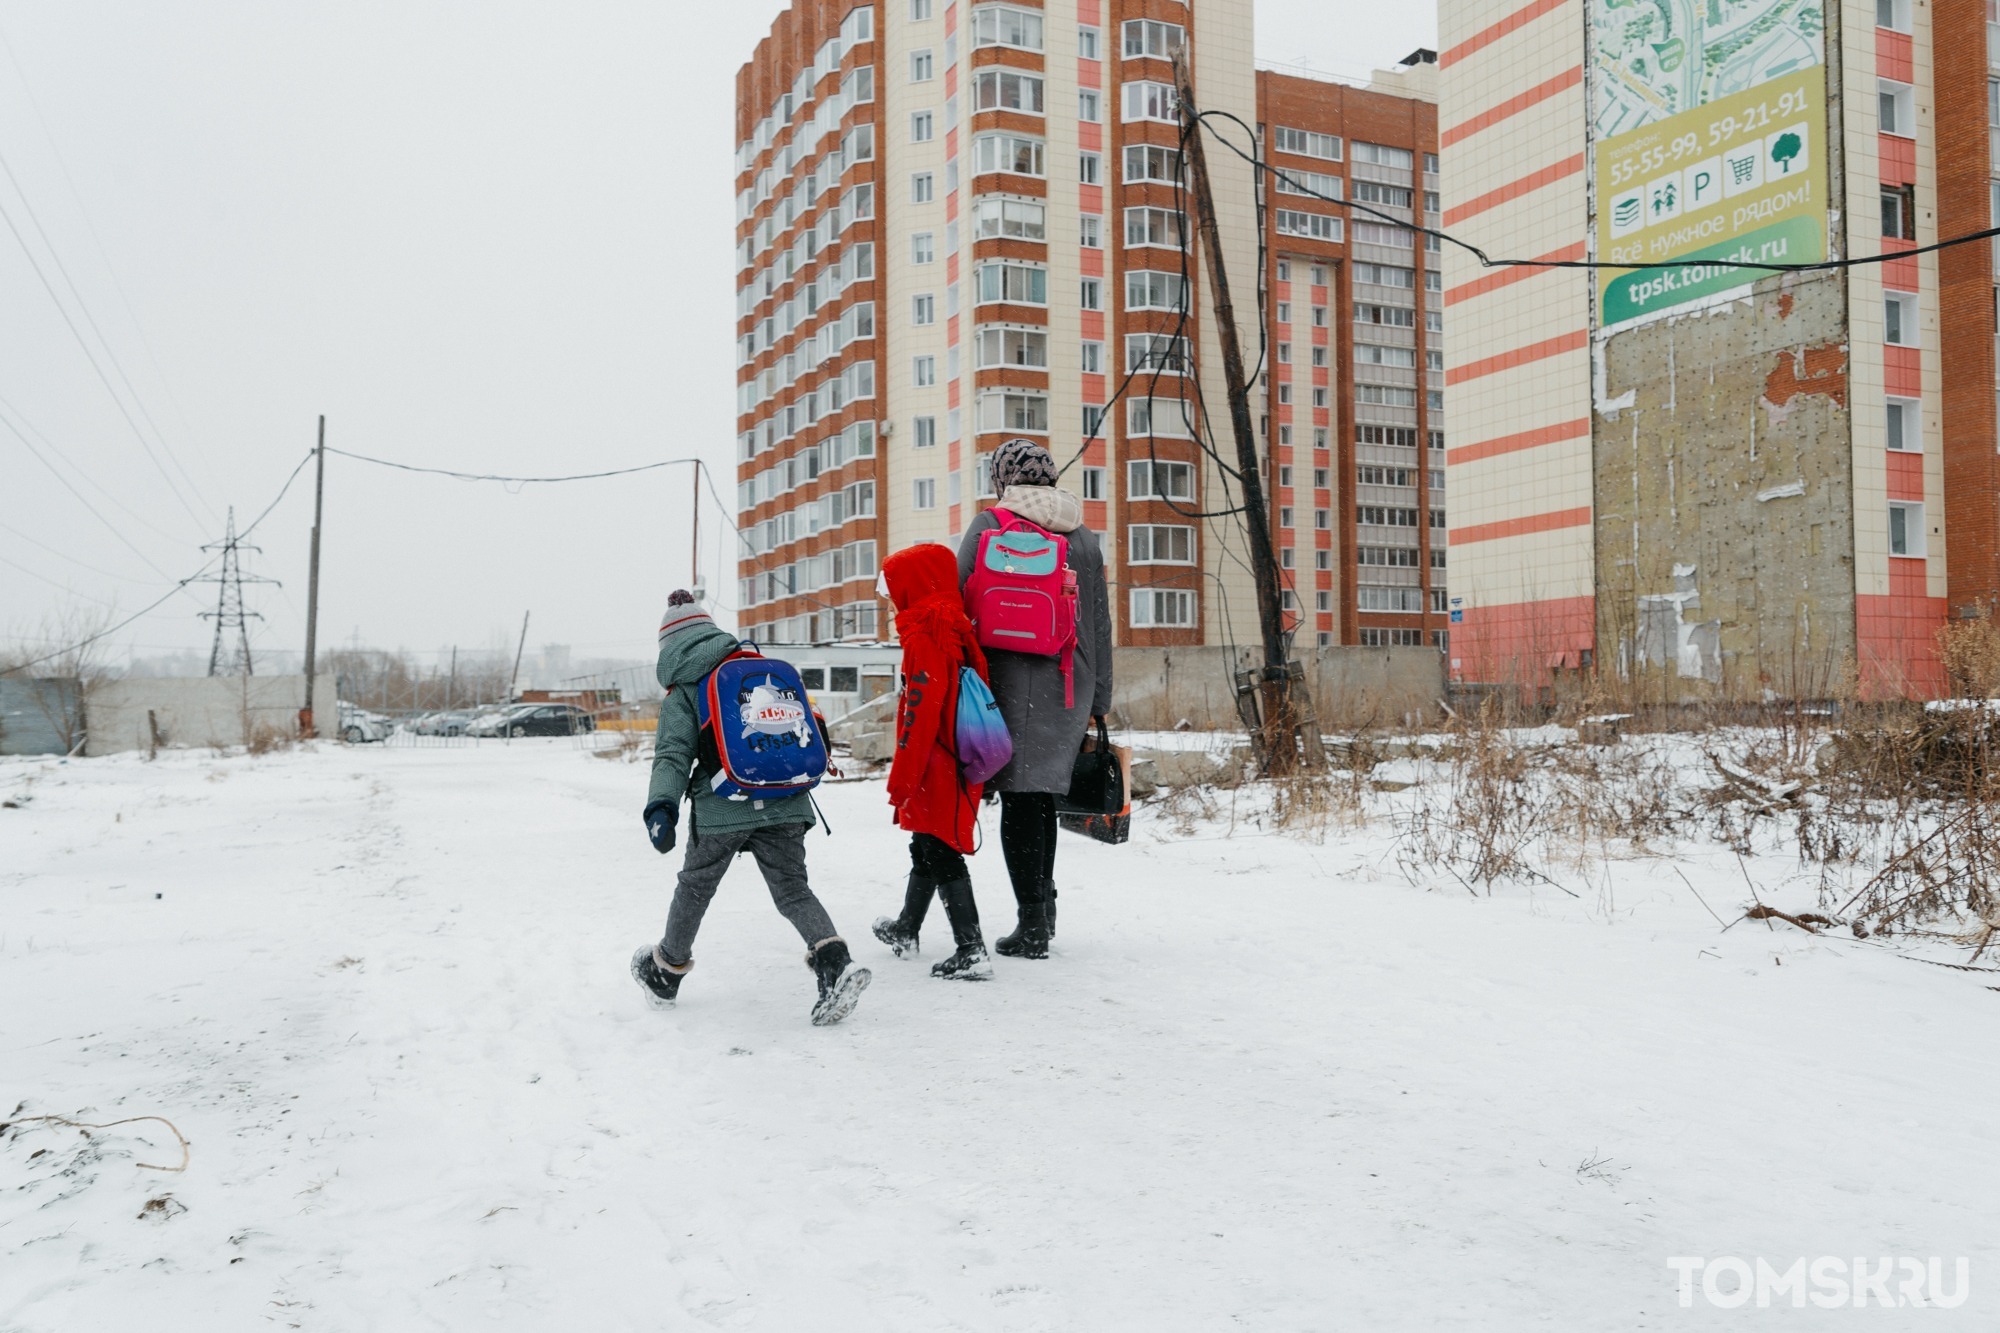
(516, 481)
(116, 531)
(1586, 265)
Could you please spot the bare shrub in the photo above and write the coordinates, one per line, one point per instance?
(1970, 653)
(265, 739)
(1481, 828)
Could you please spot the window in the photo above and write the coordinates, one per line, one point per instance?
(1166, 353)
(1306, 144)
(923, 432)
(1285, 517)
(1284, 312)
(1313, 226)
(1091, 294)
(1093, 420)
(923, 309)
(1008, 280)
(1093, 483)
(1153, 226)
(1906, 529)
(1090, 168)
(921, 126)
(1089, 44)
(1320, 478)
(859, 86)
(1388, 599)
(1089, 106)
(1150, 101)
(1004, 25)
(1152, 479)
(1285, 475)
(1893, 14)
(1899, 318)
(1310, 183)
(1903, 432)
(1021, 219)
(1011, 411)
(1392, 557)
(1284, 270)
(923, 247)
(1284, 354)
(1319, 397)
(921, 186)
(1163, 417)
(1284, 393)
(1898, 108)
(1382, 516)
(919, 10)
(1381, 233)
(923, 67)
(923, 371)
(1148, 289)
(923, 493)
(1319, 316)
(1899, 221)
(1382, 155)
(1369, 354)
(1160, 544)
(1385, 275)
(1370, 474)
(1090, 231)
(1091, 361)
(1374, 192)
(1150, 162)
(1145, 37)
(997, 345)
(1319, 356)
(1323, 601)
(1014, 153)
(1161, 608)
(1430, 164)
(1000, 89)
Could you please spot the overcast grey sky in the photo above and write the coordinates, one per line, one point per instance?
(490, 237)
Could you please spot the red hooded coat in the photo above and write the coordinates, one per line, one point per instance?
(929, 793)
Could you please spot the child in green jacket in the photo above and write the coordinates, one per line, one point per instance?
(773, 831)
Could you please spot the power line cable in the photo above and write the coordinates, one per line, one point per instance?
(1587, 265)
(56, 449)
(116, 531)
(91, 357)
(517, 481)
(109, 351)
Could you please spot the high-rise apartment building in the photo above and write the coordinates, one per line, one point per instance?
(959, 223)
(1706, 479)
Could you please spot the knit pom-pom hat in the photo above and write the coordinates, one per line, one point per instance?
(683, 614)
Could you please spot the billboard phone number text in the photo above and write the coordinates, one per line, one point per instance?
(1725, 129)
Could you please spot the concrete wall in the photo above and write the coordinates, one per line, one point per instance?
(1156, 688)
(1725, 498)
(201, 711)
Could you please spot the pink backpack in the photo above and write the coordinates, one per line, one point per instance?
(1021, 596)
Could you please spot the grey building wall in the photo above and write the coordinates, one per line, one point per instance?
(38, 716)
(200, 712)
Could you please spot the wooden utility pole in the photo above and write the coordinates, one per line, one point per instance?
(306, 729)
(1278, 725)
(451, 681)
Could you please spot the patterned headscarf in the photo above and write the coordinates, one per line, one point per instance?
(1022, 463)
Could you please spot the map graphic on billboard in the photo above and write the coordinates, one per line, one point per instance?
(1709, 119)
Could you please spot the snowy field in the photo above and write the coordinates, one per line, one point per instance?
(1264, 1082)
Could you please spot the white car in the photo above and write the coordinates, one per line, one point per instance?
(495, 722)
(358, 726)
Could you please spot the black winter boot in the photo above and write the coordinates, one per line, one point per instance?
(661, 980)
(840, 981)
(970, 963)
(1049, 897)
(1031, 938)
(900, 932)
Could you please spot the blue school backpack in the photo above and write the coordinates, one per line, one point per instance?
(983, 744)
(762, 740)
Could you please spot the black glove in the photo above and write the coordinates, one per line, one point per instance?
(661, 817)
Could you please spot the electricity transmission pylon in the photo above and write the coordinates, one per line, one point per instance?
(229, 613)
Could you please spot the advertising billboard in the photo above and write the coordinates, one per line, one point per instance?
(1709, 123)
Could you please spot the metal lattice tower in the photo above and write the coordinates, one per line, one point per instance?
(229, 613)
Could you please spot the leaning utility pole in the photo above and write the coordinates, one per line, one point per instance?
(1279, 725)
(306, 731)
(514, 681)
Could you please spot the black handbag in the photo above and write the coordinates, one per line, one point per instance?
(1097, 781)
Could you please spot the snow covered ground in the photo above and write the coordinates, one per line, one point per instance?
(1264, 1082)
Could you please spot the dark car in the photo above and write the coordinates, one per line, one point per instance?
(549, 720)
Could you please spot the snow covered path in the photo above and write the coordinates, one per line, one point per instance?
(1262, 1084)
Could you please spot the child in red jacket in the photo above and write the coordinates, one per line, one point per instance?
(932, 799)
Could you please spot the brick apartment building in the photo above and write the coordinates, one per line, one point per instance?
(959, 223)
(1707, 481)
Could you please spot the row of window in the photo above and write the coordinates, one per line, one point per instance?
(857, 28)
(828, 569)
(854, 621)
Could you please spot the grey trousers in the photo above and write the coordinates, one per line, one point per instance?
(781, 854)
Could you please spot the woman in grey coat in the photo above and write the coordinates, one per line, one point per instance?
(1029, 689)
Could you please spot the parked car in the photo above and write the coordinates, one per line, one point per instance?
(358, 726)
(491, 722)
(450, 722)
(547, 720)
